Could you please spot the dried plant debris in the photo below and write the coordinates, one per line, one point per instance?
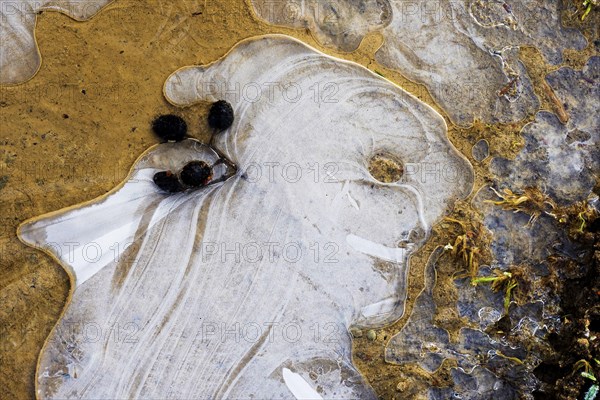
(589, 5)
(248, 286)
(465, 52)
(19, 55)
(470, 246)
(576, 342)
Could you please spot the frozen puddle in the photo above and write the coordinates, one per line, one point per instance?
(465, 52)
(247, 288)
(497, 353)
(19, 55)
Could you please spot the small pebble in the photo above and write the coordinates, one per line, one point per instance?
(371, 335)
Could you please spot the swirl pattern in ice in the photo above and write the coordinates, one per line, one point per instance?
(19, 55)
(247, 288)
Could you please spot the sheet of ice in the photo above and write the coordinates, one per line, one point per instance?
(481, 150)
(245, 287)
(87, 248)
(561, 160)
(299, 387)
(19, 55)
(465, 52)
(335, 23)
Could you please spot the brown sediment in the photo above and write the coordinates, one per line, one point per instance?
(385, 168)
(72, 133)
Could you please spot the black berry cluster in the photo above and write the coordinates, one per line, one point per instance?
(195, 174)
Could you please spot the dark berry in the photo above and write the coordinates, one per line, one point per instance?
(196, 174)
(167, 181)
(170, 127)
(220, 115)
